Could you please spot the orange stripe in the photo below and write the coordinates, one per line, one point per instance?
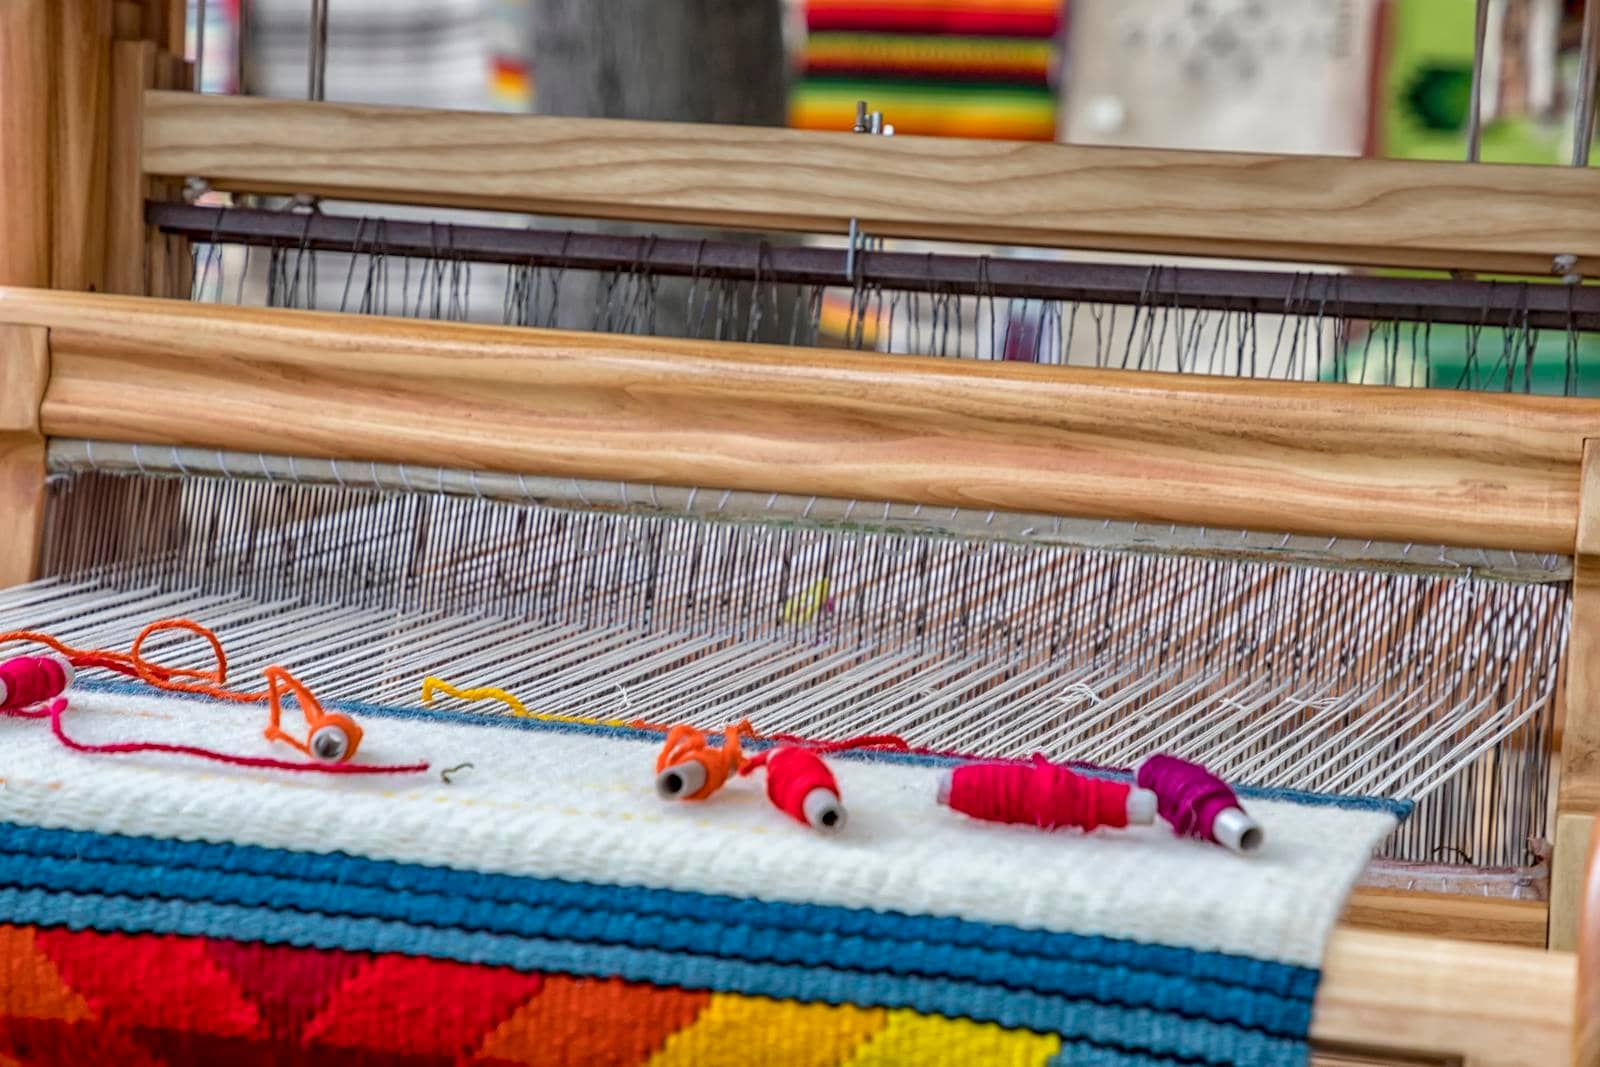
(582, 1021)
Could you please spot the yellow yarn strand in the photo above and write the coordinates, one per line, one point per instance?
(431, 686)
(803, 607)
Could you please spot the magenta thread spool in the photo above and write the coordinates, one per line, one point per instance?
(26, 681)
(1199, 804)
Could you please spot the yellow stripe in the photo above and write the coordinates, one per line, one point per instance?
(734, 1031)
(1027, 55)
(933, 1039)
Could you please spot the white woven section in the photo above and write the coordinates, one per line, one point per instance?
(554, 804)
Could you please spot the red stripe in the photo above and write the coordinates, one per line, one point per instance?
(868, 19)
(933, 71)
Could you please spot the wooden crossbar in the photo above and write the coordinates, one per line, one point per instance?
(1295, 208)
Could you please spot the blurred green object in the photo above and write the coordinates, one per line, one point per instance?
(1439, 98)
(1427, 89)
(1427, 92)
(1490, 359)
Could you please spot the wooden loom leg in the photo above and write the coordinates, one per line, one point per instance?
(133, 66)
(1579, 797)
(26, 32)
(82, 120)
(24, 372)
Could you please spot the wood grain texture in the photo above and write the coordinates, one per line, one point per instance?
(24, 370)
(1586, 1013)
(1580, 727)
(79, 143)
(1302, 208)
(1569, 872)
(1459, 917)
(1489, 1005)
(26, 43)
(128, 20)
(1423, 465)
(133, 65)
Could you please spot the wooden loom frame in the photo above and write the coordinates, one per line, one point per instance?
(1492, 471)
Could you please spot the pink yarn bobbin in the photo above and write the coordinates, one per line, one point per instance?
(1045, 795)
(27, 681)
(1199, 804)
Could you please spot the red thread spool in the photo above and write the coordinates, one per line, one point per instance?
(1045, 795)
(26, 681)
(800, 784)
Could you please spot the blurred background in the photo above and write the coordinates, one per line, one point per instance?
(1347, 77)
(1387, 78)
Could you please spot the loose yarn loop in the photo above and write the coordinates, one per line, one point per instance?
(1187, 795)
(1041, 794)
(332, 738)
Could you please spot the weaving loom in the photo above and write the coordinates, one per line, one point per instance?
(1250, 518)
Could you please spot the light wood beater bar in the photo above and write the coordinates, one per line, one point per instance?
(1312, 209)
(1439, 467)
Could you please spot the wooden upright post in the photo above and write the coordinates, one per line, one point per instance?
(1579, 798)
(26, 39)
(24, 372)
(81, 126)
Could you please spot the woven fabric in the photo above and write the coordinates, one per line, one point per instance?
(932, 67)
(914, 929)
(86, 998)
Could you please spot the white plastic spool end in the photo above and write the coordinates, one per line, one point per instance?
(67, 669)
(681, 780)
(944, 788)
(823, 810)
(1141, 807)
(1238, 832)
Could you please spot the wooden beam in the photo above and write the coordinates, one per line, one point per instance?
(1459, 917)
(1586, 1004)
(80, 134)
(1481, 1005)
(1432, 466)
(1579, 797)
(24, 370)
(133, 66)
(1297, 208)
(26, 38)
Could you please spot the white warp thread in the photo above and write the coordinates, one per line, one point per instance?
(553, 804)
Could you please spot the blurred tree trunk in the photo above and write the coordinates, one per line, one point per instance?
(667, 60)
(713, 61)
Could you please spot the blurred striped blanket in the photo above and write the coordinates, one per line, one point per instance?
(959, 68)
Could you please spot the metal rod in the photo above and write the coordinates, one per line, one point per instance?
(1475, 111)
(318, 74)
(1530, 305)
(200, 46)
(1583, 120)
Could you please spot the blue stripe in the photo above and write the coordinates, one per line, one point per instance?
(1400, 809)
(1116, 1028)
(1266, 977)
(1110, 986)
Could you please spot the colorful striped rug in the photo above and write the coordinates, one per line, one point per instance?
(543, 906)
(980, 68)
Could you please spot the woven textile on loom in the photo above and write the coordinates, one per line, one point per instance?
(545, 906)
(954, 68)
